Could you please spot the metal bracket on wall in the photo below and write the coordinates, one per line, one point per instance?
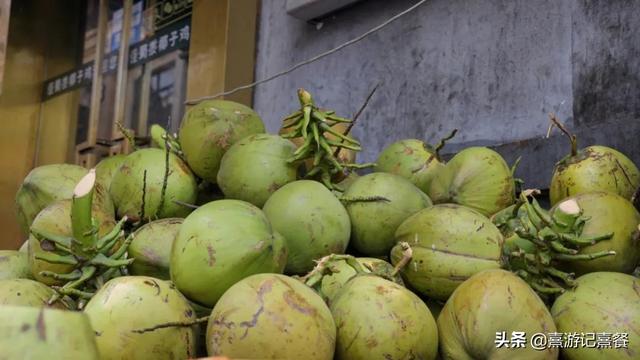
(313, 9)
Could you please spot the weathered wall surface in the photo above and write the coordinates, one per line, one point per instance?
(492, 68)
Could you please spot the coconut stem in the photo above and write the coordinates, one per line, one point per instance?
(165, 178)
(363, 199)
(407, 253)
(157, 135)
(572, 137)
(566, 214)
(127, 135)
(357, 115)
(187, 323)
(305, 98)
(82, 225)
(443, 142)
(144, 193)
(182, 203)
(324, 267)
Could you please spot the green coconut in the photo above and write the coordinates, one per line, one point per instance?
(594, 168)
(608, 213)
(602, 303)
(210, 128)
(56, 219)
(484, 306)
(377, 204)
(341, 273)
(157, 134)
(126, 305)
(128, 186)
(14, 265)
(546, 247)
(450, 243)
(221, 243)
(413, 160)
(271, 316)
(255, 167)
(32, 333)
(151, 248)
(46, 184)
(397, 323)
(312, 220)
(26, 292)
(107, 167)
(476, 177)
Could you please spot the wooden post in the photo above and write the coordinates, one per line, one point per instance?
(96, 82)
(123, 68)
(222, 48)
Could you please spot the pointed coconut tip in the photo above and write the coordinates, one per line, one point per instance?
(570, 207)
(85, 185)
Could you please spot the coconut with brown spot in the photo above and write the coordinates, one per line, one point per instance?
(271, 316)
(486, 305)
(46, 184)
(106, 168)
(255, 167)
(126, 305)
(26, 292)
(377, 204)
(414, 160)
(379, 319)
(476, 177)
(607, 213)
(450, 243)
(14, 264)
(221, 243)
(342, 272)
(594, 168)
(148, 184)
(602, 302)
(151, 248)
(210, 128)
(40, 333)
(312, 220)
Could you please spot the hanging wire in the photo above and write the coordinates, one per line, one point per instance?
(308, 61)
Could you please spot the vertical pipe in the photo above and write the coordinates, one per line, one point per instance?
(123, 67)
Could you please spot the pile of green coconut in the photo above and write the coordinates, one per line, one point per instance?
(224, 240)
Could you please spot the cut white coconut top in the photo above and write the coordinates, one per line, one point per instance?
(86, 184)
(570, 207)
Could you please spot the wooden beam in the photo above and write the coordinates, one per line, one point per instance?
(222, 48)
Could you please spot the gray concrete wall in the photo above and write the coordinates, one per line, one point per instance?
(491, 68)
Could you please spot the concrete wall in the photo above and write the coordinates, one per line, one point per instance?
(493, 69)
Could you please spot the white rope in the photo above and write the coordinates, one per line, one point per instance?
(308, 61)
